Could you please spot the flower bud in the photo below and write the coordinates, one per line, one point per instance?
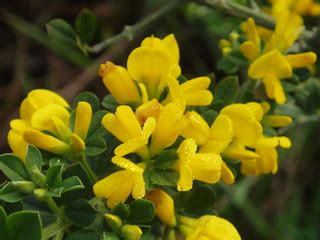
(130, 232)
(38, 177)
(40, 194)
(77, 144)
(24, 186)
(113, 221)
(119, 83)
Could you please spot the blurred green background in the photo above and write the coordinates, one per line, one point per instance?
(284, 206)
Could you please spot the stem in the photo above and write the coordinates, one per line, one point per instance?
(54, 207)
(92, 176)
(238, 10)
(128, 32)
(54, 228)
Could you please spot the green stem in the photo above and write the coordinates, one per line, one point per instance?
(92, 176)
(238, 10)
(54, 228)
(54, 207)
(129, 31)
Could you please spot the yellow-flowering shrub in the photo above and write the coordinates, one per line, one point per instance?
(147, 162)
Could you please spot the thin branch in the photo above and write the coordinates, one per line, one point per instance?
(241, 11)
(129, 32)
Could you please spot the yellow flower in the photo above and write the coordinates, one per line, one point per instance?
(301, 59)
(251, 48)
(288, 28)
(246, 128)
(82, 119)
(119, 84)
(168, 128)
(119, 185)
(207, 227)
(164, 206)
(151, 61)
(211, 140)
(271, 68)
(264, 159)
(15, 137)
(274, 121)
(267, 161)
(44, 110)
(46, 142)
(204, 167)
(194, 92)
(37, 99)
(269, 64)
(60, 128)
(302, 7)
(36, 111)
(125, 126)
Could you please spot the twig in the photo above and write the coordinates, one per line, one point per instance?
(89, 74)
(129, 31)
(238, 10)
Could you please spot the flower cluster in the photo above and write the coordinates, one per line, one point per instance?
(154, 116)
(268, 52)
(44, 122)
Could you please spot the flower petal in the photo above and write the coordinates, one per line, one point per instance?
(271, 64)
(83, 119)
(196, 128)
(206, 167)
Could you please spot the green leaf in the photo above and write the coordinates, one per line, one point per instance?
(228, 65)
(13, 167)
(141, 211)
(61, 33)
(23, 225)
(88, 97)
(201, 198)
(95, 146)
(166, 159)
(3, 215)
(121, 210)
(71, 183)
(33, 159)
(54, 176)
(227, 90)
(55, 192)
(147, 179)
(76, 169)
(217, 105)
(9, 193)
(164, 177)
(109, 103)
(3, 218)
(80, 213)
(84, 235)
(109, 236)
(86, 25)
(210, 116)
(148, 236)
(96, 123)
